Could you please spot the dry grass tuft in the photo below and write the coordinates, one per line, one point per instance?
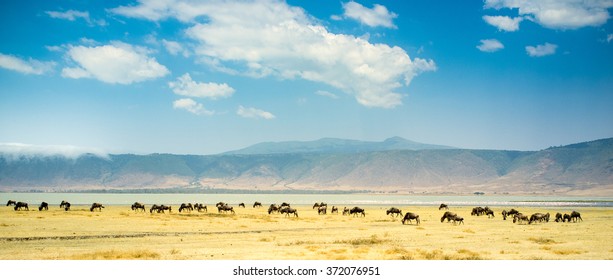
(118, 255)
(373, 240)
(541, 240)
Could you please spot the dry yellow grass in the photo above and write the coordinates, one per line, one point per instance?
(119, 233)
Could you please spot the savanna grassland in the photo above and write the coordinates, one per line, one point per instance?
(120, 233)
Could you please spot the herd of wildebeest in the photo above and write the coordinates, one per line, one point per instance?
(322, 209)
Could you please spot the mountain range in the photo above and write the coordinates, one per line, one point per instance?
(393, 165)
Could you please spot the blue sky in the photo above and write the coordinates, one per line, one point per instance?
(204, 77)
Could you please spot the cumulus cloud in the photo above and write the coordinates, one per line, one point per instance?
(18, 150)
(175, 48)
(490, 45)
(559, 14)
(503, 22)
(541, 50)
(187, 87)
(31, 66)
(270, 38)
(377, 16)
(72, 15)
(191, 106)
(118, 63)
(254, 113)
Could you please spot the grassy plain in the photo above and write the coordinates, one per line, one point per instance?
(120, 233)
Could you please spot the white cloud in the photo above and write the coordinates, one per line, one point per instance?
(175, 48)
(326, 94)
(503, 22)
(187, 87)
(270, 38)
(191, 106)
(377, 16)
(559, 14)
(31, 66)
(541, 50)
(16, 150)
(254, 113)
(118, 63)
(72, 15)
(490, 45)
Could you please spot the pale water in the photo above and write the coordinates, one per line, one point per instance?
(35, 199)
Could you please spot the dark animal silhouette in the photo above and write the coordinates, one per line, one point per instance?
(345, 211)
(225, 208)
(566, 218)
(539, 217)
(284, 204)
(288, 210)
(322, 210)
(138, 206)
(200, 207)
(357, 210)
(316, 205)
(241, 205)
(443, 206)
(11, 203)
(220, 204)
(458, 219)
(449, 216)
(575, 216)
(519, 218)
(489, 213)
(96, 205)
(257, 204)
(394, 211)
(559, 218)
(410, 216)
(160, 208)
(65, 205)
(478, 211)
(186, 207)
(334, 210)
(273, 208)
(43, 205)
(21, 206)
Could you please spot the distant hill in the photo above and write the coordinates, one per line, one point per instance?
(334, 145)
(578, 169)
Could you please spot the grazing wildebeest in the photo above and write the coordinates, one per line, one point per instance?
(443, 206)
(322, 210)
(458, 219)
(345, 211)
(519, 217)
(225, 208)
(394, 211)
(334, 210)
(566, 218)
(96, 205)
(241, 205)
(137, 205)
(43, 205)
(160, 208)
(288, 210)
(200, 207)
(11, 203)
(65, 204)
(20, 206)
(559, 218)
(449, 216)
(186, 206)
(546, 217)
(220, 204)
(284, 204)
(316, 205)
(257, 204)
(478, 211)
(536, 217)
(575, 216)
(357, 210)
(410, 216)
(489, 213)
(273, 208)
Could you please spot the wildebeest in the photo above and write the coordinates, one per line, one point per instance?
(225, 208)
(273, 208)
(559, 218)
(321, 210)
(489, 213)
(284, 204)
(443, 206)
(334, 210)
(96, 205)
(186, 207)
(43, 205)
(20, 206)
(394, 211)
(200, 207)
(160, 208)
(519, 217)
(241, 205)
(575, 216)
(536, 217)
(458, 219)
(357, 210)
(288, 210)
(410, 216)
(257, 204)
(345, 211)
(220, 204)
(509, 213)
(317, 205)
(449, 216)
(11, 203)
(65, 205)
(566, 218)
(137, 205)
